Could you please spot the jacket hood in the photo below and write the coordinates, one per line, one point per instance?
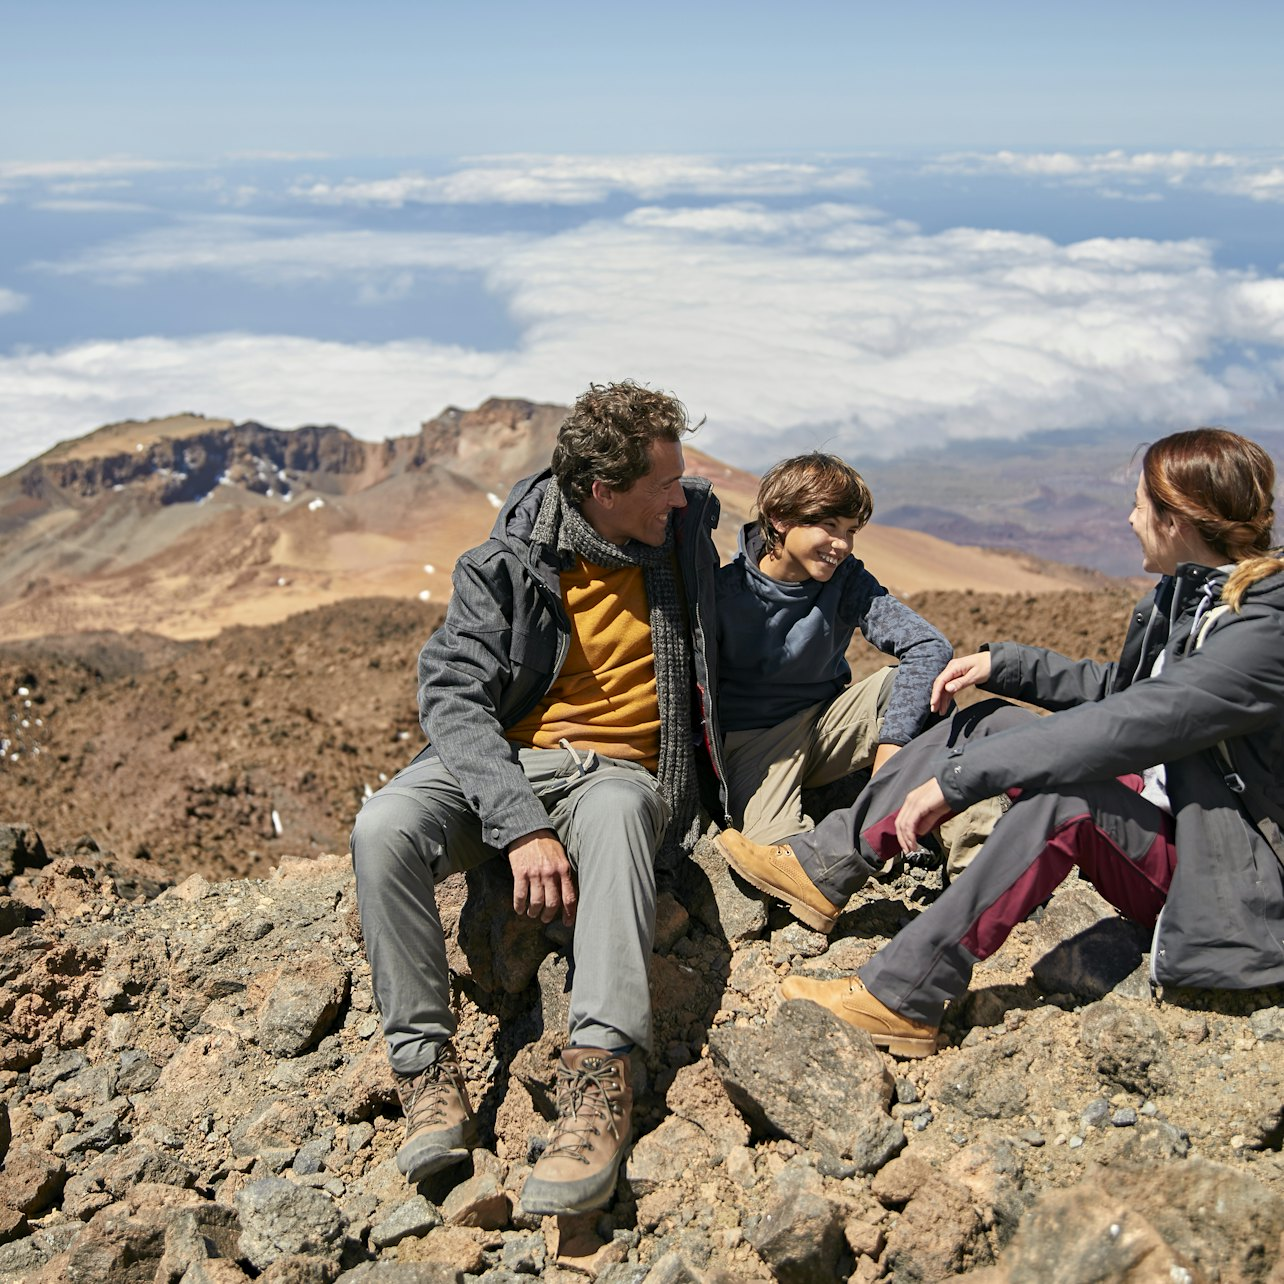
(751, 542)
(517, 514)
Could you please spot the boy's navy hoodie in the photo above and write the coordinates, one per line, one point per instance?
(781, 646)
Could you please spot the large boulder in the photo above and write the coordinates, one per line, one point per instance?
(814, 1079)
(280, 1219)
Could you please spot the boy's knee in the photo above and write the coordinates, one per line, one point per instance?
(885, 688)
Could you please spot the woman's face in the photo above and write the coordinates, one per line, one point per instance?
(1159, 534)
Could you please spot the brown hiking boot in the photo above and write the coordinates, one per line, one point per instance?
(440, 1127)
(577, 1171)
(851, 1001)
(776, 871)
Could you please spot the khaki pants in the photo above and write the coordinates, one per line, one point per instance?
(769, 767)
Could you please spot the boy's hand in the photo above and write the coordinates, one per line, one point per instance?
(962, 672)
(542, 879)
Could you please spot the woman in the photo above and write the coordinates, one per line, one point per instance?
(1158, 775)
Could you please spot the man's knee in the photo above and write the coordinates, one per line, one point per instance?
(620, 801)
(389, 825)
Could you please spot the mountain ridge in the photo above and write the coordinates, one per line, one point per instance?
(187, 525)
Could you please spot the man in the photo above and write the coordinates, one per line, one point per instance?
(557, 698)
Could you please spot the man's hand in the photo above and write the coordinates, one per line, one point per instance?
(881, 755)
(961, 672)
(923, 809)
(542, 880)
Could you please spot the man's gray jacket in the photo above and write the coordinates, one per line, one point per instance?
(1223, 923)
(505, 638)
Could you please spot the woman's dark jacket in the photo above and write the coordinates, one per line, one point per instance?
(1223, 923)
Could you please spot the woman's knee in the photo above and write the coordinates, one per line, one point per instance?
(985, 718)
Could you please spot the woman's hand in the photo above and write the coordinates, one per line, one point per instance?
(923, 809)
(961, 672)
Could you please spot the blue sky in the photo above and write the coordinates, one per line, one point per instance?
(864, 226)
(432, 78)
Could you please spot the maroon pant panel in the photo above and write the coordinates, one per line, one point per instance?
(1137, 888)
(1122, 843)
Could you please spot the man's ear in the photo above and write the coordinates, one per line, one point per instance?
(602, 493)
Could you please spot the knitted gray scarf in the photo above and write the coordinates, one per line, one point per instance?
(561, 525)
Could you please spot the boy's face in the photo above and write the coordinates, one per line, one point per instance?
(812, 551)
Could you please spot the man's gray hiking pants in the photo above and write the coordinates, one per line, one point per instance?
(419, 828)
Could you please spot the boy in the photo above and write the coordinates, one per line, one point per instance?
(788, 606)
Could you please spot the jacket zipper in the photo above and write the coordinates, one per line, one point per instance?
(707, 720)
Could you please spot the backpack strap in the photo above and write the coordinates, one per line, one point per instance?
(1267, 827)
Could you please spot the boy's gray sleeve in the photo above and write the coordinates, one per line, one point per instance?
(891, 626)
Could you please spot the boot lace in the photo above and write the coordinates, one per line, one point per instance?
(582, 1104)
(430, 1091)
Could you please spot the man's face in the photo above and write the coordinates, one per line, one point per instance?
(642, 511)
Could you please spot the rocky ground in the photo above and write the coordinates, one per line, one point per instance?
(222, 757)
(196, 1089)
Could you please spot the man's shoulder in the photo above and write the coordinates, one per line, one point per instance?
(487, 553)
(701, 499)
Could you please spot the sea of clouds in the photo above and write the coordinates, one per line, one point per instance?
(787, 301)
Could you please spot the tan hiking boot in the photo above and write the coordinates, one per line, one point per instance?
(851, 1001)
(577, 1171)
(776, 871)
(440, 1126)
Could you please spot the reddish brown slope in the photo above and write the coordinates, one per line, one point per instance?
(183, 751)
(188, 526)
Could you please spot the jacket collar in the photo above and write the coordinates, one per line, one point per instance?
(516, 519)
(1175, 593)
